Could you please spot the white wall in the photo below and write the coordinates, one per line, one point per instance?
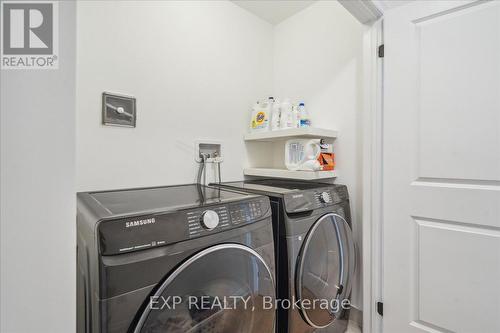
(195, 67)
(317, 58)
(37, 198)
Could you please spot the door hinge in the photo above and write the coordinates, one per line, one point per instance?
(380, 308)
(381, 51)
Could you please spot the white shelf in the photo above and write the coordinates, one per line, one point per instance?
(284, 173)
(307, 132)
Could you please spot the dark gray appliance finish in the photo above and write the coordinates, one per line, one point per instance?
(151, 242)
(315, 254)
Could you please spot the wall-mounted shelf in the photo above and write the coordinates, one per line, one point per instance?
(284, 173)
(304, 133)
(266, 151)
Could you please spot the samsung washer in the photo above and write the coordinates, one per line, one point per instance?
(315, 255)
(162, 260)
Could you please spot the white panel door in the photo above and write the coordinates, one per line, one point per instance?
(441, 168)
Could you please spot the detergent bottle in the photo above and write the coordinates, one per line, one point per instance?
(260, 117)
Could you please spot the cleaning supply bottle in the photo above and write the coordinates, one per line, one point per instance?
(296, 116)
(260, 117)
(276, 115)
(287, 116)
(304, 119)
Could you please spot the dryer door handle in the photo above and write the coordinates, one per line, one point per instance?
(348, 256)
(339, 289)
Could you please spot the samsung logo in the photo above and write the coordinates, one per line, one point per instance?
(139, 222)
(296, 196)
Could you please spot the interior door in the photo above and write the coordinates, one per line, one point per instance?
(226, 288)
(441, 167)
(325, 267)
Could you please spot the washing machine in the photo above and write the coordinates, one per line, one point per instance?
(174, 259)
(315, 254)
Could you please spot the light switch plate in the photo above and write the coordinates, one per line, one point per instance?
(118, 110)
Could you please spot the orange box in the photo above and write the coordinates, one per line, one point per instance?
(327, 161)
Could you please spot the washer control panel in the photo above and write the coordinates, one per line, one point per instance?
(218, 218)
(245, 212)
(137, 233)
(209, 219)
(206, 220)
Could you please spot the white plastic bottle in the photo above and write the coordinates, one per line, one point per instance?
(296, 116)
(287, 116)
(269, 106)
(276, 115)
(304, 119)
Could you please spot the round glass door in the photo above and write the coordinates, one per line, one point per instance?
(223, 289)
(325, 266)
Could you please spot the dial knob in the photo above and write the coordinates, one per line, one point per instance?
(325, 197)
(209, 219)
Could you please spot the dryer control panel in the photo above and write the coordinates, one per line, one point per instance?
(306, 200)
(143, 232)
